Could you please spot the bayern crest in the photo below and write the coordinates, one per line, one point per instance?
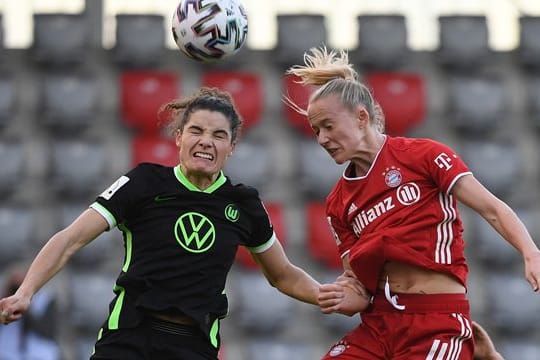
(392, 176)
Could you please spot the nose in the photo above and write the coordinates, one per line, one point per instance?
(322, 137)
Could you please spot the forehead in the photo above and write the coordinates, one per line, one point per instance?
(209, 120)
(324, 108)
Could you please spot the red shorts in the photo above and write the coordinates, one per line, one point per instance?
(431, 327)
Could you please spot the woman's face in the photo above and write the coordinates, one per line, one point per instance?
(205, 143)
(338, 130)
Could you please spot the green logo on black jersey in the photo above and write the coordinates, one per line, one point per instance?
(231, 213)
(195, 232)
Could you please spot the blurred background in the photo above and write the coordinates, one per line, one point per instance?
(80, 83)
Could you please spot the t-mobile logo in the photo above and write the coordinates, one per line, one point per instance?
(443, 161)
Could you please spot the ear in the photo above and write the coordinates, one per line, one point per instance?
(362, 116)
(233, 146)
(178, 138)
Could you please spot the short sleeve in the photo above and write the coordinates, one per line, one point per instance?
(444, 165)
(262, 234)
(114, 203)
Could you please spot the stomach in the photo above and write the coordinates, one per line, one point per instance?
(409, 279)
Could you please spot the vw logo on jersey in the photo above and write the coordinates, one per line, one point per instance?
(408, 194)
(392, 176)
(231, 213)
(195, 232)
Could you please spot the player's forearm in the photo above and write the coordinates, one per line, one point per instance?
(298, 284)
(50, 259)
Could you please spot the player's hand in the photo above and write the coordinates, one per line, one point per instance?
(345, 296)
(532, 270)
(483, 348)
(13, 307)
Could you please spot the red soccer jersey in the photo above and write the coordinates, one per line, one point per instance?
(401, 210)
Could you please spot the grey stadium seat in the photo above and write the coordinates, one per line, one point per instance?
(318, 171)
(17, 226)
(463, 41)
(264, 349)
(528, 348)
(533, 101)
(476, 104)
(483, 157)
(297, 33)
(69, 101)
(140, 39)
(60, 39)
(77, 167)
(259, 307)
(12, 159)
(8, 99)
(529, 44)
(513, 307)
(382, 41)
(250, 164)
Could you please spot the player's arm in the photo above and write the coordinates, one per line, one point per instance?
(51, 259)
(503, 219)
(484, 349)
(285, 276)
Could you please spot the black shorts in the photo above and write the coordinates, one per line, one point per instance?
(154, 339)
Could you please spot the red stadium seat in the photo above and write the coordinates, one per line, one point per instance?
(300, 95)
(142, 93)
(154, 149)
(277, 216)
(246, 90)
(321, 244)
(402, 98)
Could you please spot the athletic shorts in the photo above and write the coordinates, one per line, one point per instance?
(154, 339)
(430, 327)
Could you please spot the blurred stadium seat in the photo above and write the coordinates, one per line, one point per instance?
(259, 307)
(529, 41)
(483, 157)
(513, 307)
(68, 101)
(12, 161)
(533, 101)
(101, 250)
(265, 349)
(528, 347)
(463, 41)
(300, 95)
(297, 33)
(142, 93)
(140, 40)
(382, 41)
(155, 149)
(8, 99)
(17, 226)
(276, 212)
(320, 241)
(402, 97)
(476, 104)
(77, 166)
(90, 293)
(60, 39)
(246, 90)
(251, 164)
(318, 172)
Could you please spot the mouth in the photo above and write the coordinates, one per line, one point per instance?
(204, 155)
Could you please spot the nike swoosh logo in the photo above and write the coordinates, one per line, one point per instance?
(160, 198)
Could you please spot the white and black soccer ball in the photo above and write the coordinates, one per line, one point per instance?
(209, 30)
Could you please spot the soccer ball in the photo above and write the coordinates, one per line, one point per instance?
(209, 30)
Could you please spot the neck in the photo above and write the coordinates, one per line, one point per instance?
(372, 145)
(201, 180)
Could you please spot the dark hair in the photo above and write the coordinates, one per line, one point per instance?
(178, 111)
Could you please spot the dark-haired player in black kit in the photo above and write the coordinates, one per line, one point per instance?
(182, 226)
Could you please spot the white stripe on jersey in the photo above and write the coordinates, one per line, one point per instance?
(445, 233)
(456, 343)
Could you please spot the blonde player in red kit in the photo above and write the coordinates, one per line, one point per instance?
(395, 219)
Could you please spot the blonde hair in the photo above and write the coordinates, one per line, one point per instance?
(334, 74)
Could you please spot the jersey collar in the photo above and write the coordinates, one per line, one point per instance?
(221, 179)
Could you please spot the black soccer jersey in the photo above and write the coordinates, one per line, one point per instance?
(180, 242)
